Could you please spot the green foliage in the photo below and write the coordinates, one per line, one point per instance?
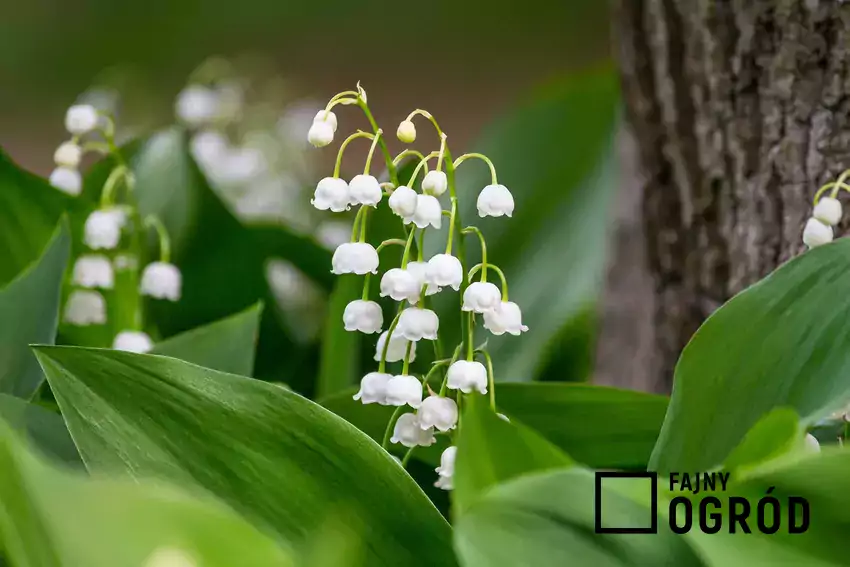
(41, 427)
(339, 364)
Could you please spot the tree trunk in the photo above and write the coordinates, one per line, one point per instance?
(740, 112)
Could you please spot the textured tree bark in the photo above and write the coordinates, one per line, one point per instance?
(740, 111)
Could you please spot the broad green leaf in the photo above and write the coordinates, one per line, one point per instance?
(227, 345)
(42, 427)
(781, 342)
(52, 518)
(600, 427)
(548, 519)
(774, 435)
(29, 313)
(338, 368)
(273, 455)
(492, 451)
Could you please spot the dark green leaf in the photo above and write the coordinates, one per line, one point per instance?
(782, 342)
(339, 365)
(227, 345)
(280, 459)
(42, 427)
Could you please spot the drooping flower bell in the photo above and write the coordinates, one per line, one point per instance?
(404, 389)
(495, 201)
(481, 297)
(438, 412)
(428, 212)
(81, 119)
(828, 211)
(445, 270)
(505, 318)
(406, 132)
(85, 308)
(327, 116)
(331, 193)
(133, 341)
(365, 190)
(67, 180)
(68, 154)
(816, 233)
(416, 324)
(396, 349)
(466, 376)
(373, 388)
(93, 271)
(446, 470)
(408, 432)
(322, 130)
(403, 202)
(162, 280)
(435, 183)
(364, 316)
(197, 105)
(419, 271)
(103, 228)
(399, 285)
(355, 258)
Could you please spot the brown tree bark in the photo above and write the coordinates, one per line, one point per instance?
(740, 112)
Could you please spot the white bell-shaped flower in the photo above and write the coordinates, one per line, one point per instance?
(67, 180)
(68, 154)
(126, 262)
(404, 389)
(93, 270)
(85, 308)
(466, 376)
(197, 105)
(403, 202)
(162, 280)
(133, 341)
(481, 297)
(495, 201)
(816, 233)
(373, 388)
(327, 116)
(828, 211)
(811, 444)
(331, 193)
(81, 119)
(435, 183)
(416, 324)
(364, 316)
(408, 432)
(505, 318)
(428, 212)
(103, 228)
(445, 483)
(447, 463)
(396, 349)
(406, 132)
(400, 285)
(419, 271)
(321, 134)
(438, 412)
(209, 148)
(365, 190)
(355, 258)
(444, 270)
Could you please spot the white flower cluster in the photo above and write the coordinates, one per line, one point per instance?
(415, 280)
(818, 231)
(80, 120)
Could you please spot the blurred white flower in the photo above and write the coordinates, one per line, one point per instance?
(81, 119)
(444, 270)
(300, 299)
(466, 376)
(331, 234)
(481, 297)
(103, 228)
(332, 193)
(85, 308)
(364, 316)
(239, 165)
(438, 412)
(406, 132)
(126, 262)
(416, 324)
(170, 557)
(365, 190)
(162, 280)
(403, 202)
(408, 432)
(67, 180)
(428, 212)
(355, 258)
(404, 389)
(209, 147)
(68, 154)
(445, 483)
(133, 341)
(816, 233)
(495, 201)
(197, 105)
(828, 211)
(400, 285)
(373, 388)
(92, 271)
(435, 183)
(505, 318)
(396, 349)
(811, 444)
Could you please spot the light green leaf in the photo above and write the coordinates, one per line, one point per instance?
(774, 435)
(492, 451)
(52, 518)
(278, 458)
(782, 342)
(29, 313)
(41, 427)
(338, 368)
(227, 345)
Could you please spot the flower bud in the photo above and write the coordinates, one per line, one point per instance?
(365, 190)
(331, 193)
(133, 341)
(364, 316)
(466, 376)
(81, 119)
(400, 285)
(85, 308)
(505, 318)
(355, 258)
(435, 183)
(67, 180)
(403, 202)
(828, 211)
(444, 270)
(408, 432)
(397, 348)
(428, 211)
(416, 324)
(327, 116)
(103, 228)
(373, 388)
(438, 412)
(811, 444)
(406, 132)
(481, 297)
(321, 134)
(495, 201)
(419, 269)
(816, 233)
(403, 389)
(68, 154)
(197, 105)
(162, 280)
(93, 271)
